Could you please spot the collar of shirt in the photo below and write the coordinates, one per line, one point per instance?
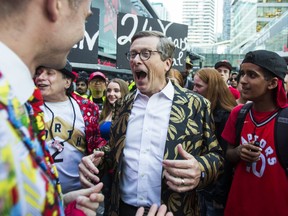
(17, 73)
(168, 91)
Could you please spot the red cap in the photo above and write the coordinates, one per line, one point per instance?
(95, 74)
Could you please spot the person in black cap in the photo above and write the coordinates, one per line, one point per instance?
(188, 83)
(71, 123)
(260, 185)
(224, 68)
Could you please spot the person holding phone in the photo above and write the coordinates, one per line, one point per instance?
(260, 184)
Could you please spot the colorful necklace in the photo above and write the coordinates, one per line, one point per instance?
(37, 148)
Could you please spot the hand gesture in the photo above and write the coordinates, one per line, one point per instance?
(249, 152)
(182, 175)
(87, 200)
(88, 170)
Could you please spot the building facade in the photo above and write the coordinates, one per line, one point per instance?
(160, 10)
(226, 20)
(200, 18)
(249, 17)
(274, 37)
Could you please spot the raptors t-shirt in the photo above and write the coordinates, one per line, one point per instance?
(68, 154)
(260, 188)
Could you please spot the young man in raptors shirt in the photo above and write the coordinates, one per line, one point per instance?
(260, 185)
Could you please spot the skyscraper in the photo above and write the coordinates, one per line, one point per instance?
(226, 20)
(200, 18)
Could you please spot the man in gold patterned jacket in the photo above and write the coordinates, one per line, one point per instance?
(162, 144)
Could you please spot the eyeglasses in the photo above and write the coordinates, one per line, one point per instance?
(233, 79)
(144, 54)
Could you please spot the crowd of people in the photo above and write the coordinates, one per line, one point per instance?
(164, 145)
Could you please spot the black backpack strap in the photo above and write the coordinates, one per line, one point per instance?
(281, 138)
(240, 121)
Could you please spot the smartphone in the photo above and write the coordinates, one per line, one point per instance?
(257, 143)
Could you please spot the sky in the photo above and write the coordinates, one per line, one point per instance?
(174, 8)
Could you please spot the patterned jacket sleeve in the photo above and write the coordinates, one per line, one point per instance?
(211, 158)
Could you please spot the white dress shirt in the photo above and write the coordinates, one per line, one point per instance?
(146, 134)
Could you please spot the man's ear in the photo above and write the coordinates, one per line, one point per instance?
(168, 63)
(68, 83)
(273, 83)
(52, 9)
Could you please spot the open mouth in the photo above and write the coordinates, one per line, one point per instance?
(245, 88)
(41, 85)
(141, 74)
